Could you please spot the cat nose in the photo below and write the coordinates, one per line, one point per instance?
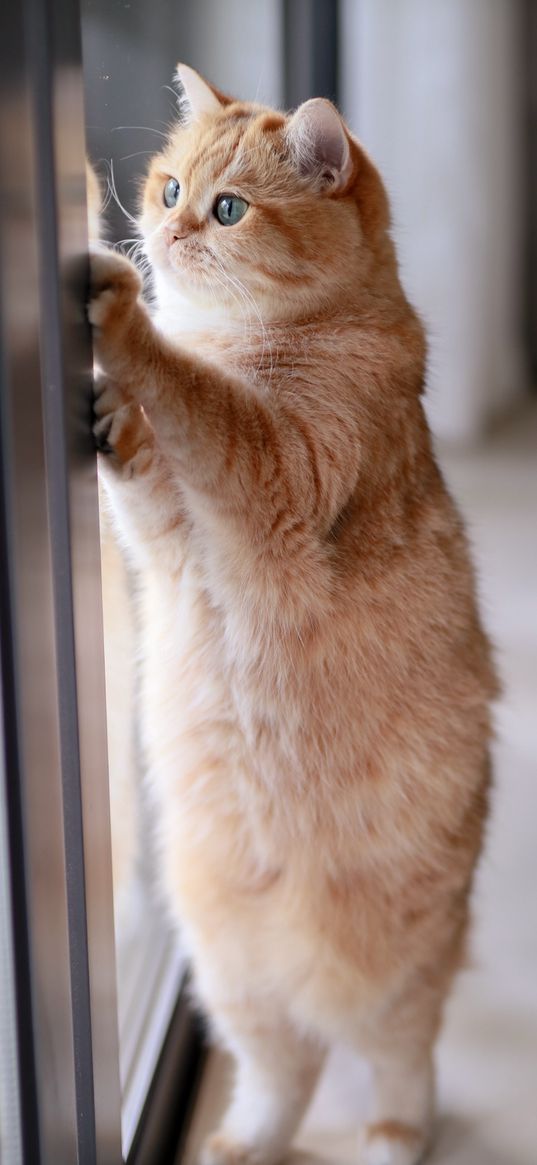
(172, 234)
(178, 230)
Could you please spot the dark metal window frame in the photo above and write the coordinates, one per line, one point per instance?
(311, 50)
(529, 57)
(51, 633)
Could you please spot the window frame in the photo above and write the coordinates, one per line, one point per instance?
(53, 686)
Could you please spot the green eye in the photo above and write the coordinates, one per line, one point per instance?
(229, 209)
(171, 192)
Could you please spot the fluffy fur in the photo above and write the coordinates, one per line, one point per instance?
(316, 682)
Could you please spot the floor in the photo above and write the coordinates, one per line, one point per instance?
(487, 1054)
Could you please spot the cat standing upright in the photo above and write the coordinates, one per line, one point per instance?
(315, 679)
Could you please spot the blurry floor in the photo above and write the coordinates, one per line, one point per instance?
(487, 1056)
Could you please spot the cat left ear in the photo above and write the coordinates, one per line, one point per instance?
(320, 145)
(196, 96)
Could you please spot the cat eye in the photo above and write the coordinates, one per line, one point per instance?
(229, 209)
(171, 192)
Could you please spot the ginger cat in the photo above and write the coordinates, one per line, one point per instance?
(316, 683)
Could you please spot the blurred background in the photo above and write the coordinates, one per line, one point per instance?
(443, 94)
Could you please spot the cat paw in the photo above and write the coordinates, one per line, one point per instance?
(120, 321)
(121, 429)
(221, 1149)
(392, 1143)
(114, 286)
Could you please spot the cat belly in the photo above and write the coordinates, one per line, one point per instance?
(259, 925)
(195, 751)
(268, 938)
(259, 912)
(239, 895)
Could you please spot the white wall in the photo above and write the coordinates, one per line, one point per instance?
(432, 87)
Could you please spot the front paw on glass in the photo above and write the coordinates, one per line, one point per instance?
(121, 430)
(115, 286)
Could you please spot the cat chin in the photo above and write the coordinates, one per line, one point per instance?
(183, 304)
(178, 310)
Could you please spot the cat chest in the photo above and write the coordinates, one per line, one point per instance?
(197, 673)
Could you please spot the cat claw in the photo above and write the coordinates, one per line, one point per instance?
(124, 433)
(101, 433)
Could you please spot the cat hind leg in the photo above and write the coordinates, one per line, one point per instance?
(276, 1072)
(400, 1128)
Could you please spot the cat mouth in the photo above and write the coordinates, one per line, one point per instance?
(182, 255)
(196, 268)
(178, 264)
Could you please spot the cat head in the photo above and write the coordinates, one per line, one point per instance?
(248, 209)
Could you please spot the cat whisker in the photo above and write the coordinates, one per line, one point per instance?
(137, 154)
(115, 195)
(249, 302)
(176, 99)
(223, 282)
(145, 128)
(264, 336)
(242, 297)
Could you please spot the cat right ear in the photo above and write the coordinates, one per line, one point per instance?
(320, 145)
(196, 97)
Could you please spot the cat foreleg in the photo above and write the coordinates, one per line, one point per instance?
(228, 442)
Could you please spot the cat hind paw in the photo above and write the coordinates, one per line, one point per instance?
(392, 1143)
(221, 1149)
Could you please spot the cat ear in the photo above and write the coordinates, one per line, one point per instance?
(196, 96)
(320, 144)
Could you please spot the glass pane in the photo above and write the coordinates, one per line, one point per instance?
(130, 57)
